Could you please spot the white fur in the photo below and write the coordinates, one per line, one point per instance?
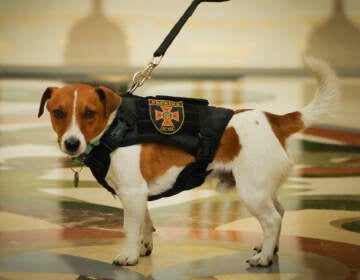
(260, 168)
(74, 130)
(327, 94)
(163, 183)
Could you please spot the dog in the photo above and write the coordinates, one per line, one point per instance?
(252, 154)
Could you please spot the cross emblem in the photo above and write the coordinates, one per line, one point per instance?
(167, 116)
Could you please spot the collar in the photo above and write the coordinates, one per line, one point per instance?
(80, 159)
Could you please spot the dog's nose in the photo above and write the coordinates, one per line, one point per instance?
(72, 144)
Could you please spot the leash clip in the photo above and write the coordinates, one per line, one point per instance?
(140, 77)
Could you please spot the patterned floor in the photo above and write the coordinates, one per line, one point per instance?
(50, 230)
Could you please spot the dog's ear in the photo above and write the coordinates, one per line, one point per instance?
(46, 95)
(109, 98)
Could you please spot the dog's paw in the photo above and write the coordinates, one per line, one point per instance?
(126, 258)
(260, 260)
(146, 247)
(258, 249)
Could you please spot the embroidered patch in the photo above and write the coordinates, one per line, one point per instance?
(167, 116)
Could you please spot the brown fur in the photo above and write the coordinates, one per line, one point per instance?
(285, 125)
(229, 146)
(238, 111)
(156, 159)
(61, 99)
(90, 127)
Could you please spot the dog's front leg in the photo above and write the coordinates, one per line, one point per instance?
(134, 218)
(146, 243)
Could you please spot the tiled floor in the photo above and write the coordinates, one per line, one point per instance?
(50, 230)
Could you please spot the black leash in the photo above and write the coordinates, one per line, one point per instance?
(141, 76)
(178, 26)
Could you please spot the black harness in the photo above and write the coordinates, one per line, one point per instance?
(188, 124)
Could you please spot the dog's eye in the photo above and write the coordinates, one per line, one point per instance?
(59, 114)
(89, 114)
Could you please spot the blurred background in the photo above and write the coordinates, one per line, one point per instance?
(231, 53)
(261, 33)
(238, 54)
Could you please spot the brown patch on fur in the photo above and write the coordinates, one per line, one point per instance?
(285, 125)
(156, 159)
(61, 99)
(229, 146)
(94, 126)
(110, 99)
(238, 111)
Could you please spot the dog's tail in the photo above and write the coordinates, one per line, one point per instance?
(327, 94)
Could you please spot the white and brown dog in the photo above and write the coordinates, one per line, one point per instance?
(252, 148)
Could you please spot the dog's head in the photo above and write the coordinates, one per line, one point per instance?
(79, 114)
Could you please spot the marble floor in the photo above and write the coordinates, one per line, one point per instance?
(51, 230)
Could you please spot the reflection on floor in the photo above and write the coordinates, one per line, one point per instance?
(50, 230)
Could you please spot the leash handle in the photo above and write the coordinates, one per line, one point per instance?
(140, 77)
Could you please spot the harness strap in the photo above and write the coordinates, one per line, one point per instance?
(195, 173)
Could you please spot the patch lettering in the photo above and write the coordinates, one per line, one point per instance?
(167, 116)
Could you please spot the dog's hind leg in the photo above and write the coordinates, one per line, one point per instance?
(258, 193)
(281, 211)
(270, 222)
(264, 210)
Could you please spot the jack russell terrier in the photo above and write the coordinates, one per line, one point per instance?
(252, 150)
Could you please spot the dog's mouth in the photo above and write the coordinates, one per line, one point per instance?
(72, 154)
